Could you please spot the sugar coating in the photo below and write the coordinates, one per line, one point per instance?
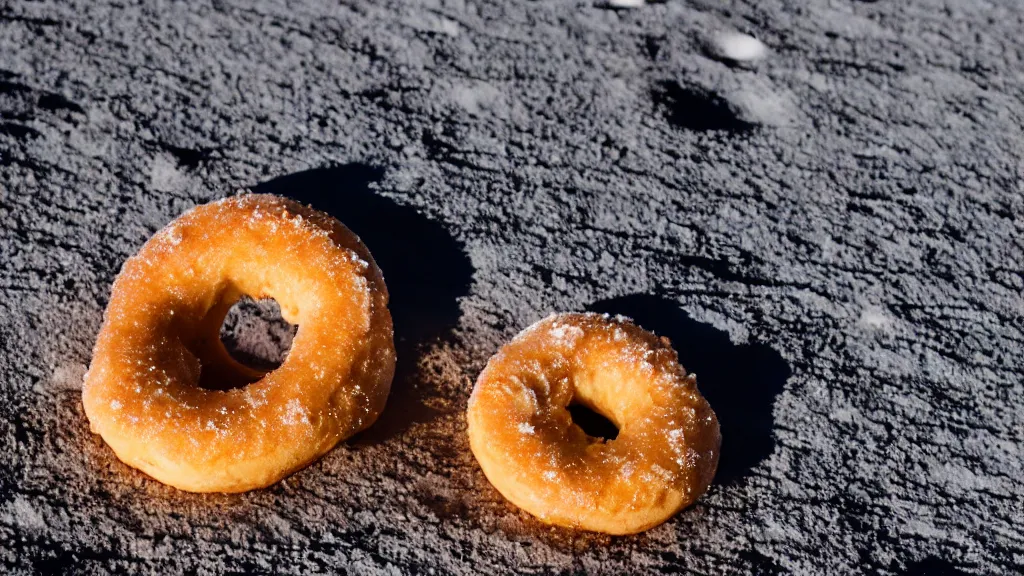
(565, 334)
(521, 433)
(159, 346)
(294, 413)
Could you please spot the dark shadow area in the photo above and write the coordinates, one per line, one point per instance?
(760, 564)
(22, 103)
(425, 268)
(57, 103)
(18, 131)
(932, 566)
(653, 46)
(695, 108)
(189, 158)
(593, 424)
(740, 381)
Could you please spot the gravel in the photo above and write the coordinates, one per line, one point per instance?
(832, 238)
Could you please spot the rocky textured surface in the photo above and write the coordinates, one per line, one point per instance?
(832, 236)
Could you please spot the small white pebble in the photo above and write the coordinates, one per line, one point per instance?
(739, 47)
(624, 3)
(875, 318)
(115, 405)
(525, 428)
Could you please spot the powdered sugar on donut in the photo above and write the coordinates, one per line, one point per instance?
(666, 449)
(154, 390)
(565, 334)
(294, 413)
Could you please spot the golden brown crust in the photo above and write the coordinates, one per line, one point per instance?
(662, 460)
(160, 337)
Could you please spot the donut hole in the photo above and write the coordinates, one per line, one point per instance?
(255, 335)
(254, 340)
(593, 423)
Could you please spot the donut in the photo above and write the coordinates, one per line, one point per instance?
(166, 396)
(523, 436)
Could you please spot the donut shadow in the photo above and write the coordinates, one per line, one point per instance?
(426, 271)
(740, 381)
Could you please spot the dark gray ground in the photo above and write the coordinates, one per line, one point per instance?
(833, 239)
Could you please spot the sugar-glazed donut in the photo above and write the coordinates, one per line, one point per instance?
(167, 397)
(523, 436)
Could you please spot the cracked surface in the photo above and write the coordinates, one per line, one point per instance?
(846, 215)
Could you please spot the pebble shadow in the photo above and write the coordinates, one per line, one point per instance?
(696, 108)
(741, 381)
(425, 268)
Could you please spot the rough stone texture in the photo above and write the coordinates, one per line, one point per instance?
(832, 237)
